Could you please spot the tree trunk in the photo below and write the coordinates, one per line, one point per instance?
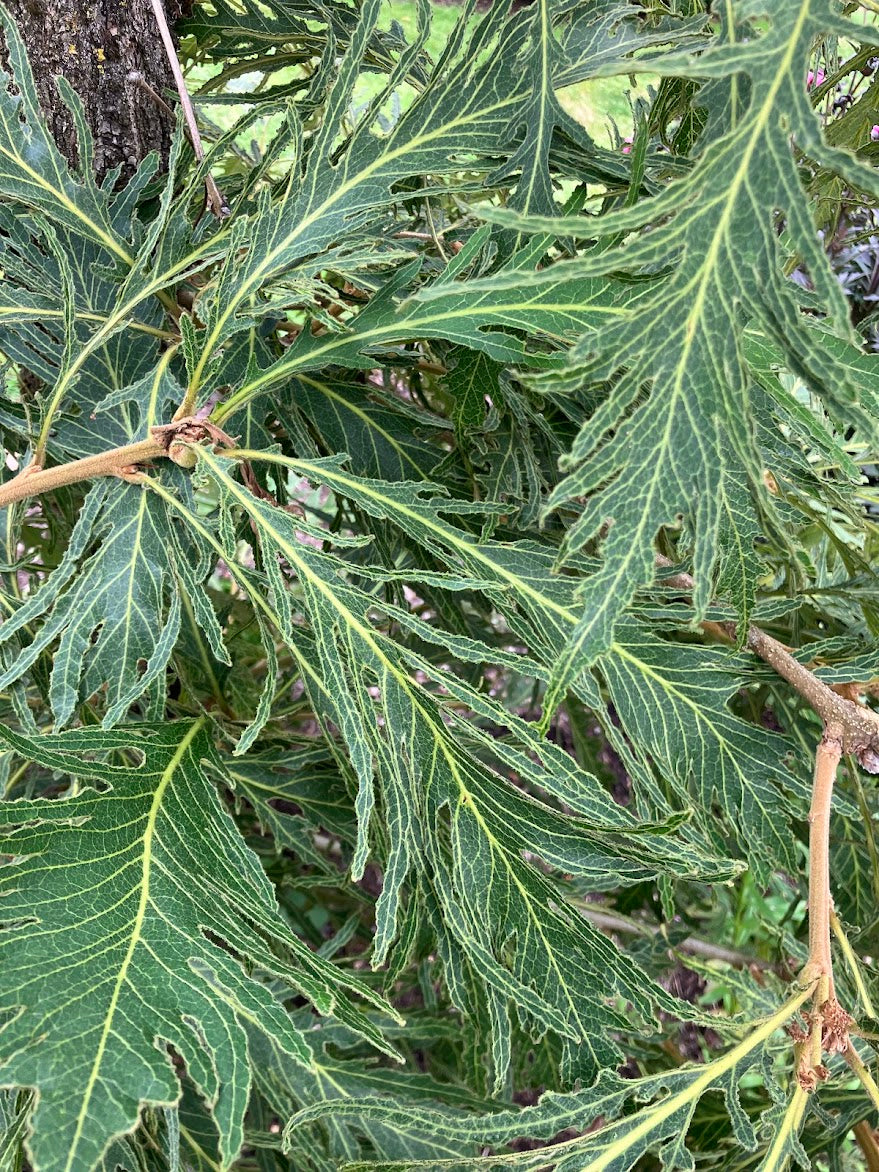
(111, 53)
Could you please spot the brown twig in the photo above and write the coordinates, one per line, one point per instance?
(849, 727)
(215, 200)
(827, 758)
(856, 725)
(865, 1138)
(169, 439)
(33, 480)
(139, 80)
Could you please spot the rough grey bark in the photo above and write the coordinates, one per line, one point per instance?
(111, 53)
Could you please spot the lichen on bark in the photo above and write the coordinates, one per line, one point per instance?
(111, 53)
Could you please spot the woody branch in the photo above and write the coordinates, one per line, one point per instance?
(849, 727)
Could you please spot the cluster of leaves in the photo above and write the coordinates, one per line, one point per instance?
(371, 797)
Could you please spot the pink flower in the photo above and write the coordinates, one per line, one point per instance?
(814, 77)
(627, 146)
(874, 133)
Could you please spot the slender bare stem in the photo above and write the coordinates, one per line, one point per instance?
(167, 439)
(827, 758)
(858, 726)
(138, 79)
(849, 727)
(215, 199)
(865, 1137)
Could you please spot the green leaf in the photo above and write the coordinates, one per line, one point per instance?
(354, 417)
(53, 342)
(450, 817)
(674, 701)
(641, 462)
(615, 1146)
(146, 904)
(542, 120)
(553, 312)
(284, 31)
(396, 694)
(675, 698)
(287, 1087)
(115, 613)
(306, 778)
(475, 103)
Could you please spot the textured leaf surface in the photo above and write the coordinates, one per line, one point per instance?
(613, 1147)
(674, 698)
(387, 709)
(454, 819)
(554, 311)
(475, 106)
(115, 613)
(640, 464)
(108, 904)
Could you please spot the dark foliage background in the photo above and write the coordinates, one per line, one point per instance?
(377, 791)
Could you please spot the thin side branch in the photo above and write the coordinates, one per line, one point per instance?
(827, 758)
(858, 726)
(215, 200)
(169, 439)
(33, 480)
(849, 727)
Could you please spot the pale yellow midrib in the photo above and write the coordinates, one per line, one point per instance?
(253, 281)
(69, 204)
(149, 833)
(657, 1115)
(369, 637)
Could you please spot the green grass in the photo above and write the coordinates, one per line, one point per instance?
(595, 104)
(443, 18)
(603, 102)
